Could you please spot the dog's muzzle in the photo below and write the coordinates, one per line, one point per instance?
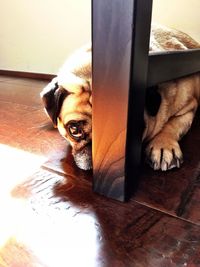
(83, 158)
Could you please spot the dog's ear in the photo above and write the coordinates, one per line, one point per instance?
(53, 96)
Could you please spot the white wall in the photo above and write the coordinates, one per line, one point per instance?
(180, 14)
(37, 35)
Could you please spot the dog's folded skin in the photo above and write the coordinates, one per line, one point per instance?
(169, 112)
(68, 102)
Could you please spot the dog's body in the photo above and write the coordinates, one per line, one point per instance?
(68, 102)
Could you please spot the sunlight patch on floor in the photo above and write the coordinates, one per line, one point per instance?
(15, 166)
(53, 235)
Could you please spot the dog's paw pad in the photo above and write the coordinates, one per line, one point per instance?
(164, 154)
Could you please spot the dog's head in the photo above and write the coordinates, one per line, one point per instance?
(68, 104)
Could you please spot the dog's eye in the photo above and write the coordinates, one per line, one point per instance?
(75, 130)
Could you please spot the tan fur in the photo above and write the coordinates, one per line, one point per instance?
(180, 99)
(164, 38)
(77, 106)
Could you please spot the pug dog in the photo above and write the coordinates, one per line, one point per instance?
(169, 111)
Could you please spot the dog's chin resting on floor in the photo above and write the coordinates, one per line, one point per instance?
(169, 110)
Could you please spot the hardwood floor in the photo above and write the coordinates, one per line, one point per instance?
(49, 216)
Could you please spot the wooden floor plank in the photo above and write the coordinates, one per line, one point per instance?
(100, 232)
(28, 128)
(176, 191)
(19, 95)
(33, 131)
(6, 78)
(50, 216)
(22, 81)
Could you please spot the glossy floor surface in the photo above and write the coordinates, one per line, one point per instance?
(49, 216)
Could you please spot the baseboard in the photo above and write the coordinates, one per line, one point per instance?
(24, 74)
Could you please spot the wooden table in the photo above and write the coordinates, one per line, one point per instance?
(122, 70)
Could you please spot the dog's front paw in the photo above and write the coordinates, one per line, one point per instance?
(163, 153)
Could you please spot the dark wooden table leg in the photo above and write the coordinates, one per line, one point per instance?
(120, 39)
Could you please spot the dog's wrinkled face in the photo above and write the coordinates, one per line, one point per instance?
(169, 109)
(69, 107)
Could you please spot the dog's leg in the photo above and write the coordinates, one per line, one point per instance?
(163, 151)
